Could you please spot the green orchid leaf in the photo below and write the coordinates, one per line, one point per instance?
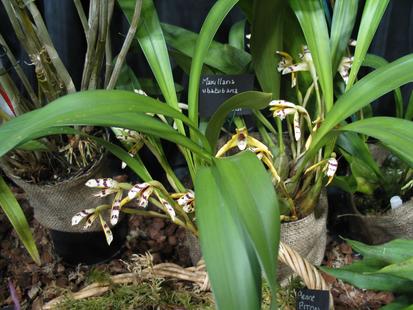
(153, 45)
(34, 146)
(152, 42)
(394, 133)
(310, 14)
(134, 163)
(127, 79)
(344, 17)
(251, 99)
(223, 57)
(370, 20)
(400, 303)
(375, 62)
(184, 62)
(355, 146)
(103, 108)
(402, 269)
(17, 218)
(345, 183)
(236, 37)
(395, 251)
(266, 39)
(211, 24)
(233, 269)
(368, 89)
(359, 275)
(150, 87)
(251, 210)
(409, 110)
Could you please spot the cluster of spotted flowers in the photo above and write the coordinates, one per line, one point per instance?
(140, 193)
(283, 109)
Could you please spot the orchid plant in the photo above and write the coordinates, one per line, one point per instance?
(238, 220)
(232, 216)
(323, 62)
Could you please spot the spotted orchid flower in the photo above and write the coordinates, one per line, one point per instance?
(241, 140)
(287, 66)
(89, 216)
(282, 108)
(330, 166)
(185, 200)
(109, 186)
(142, 192)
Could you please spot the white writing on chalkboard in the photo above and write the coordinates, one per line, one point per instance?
(303, 306)
(215, 86)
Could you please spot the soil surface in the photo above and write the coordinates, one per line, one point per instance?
(35, 285)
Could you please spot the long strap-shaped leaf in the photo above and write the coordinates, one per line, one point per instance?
(153, 45)
(212, 22)
(369, 88)
(152, 42)
(395, 133)
(230, 207)
(372, 14)
(344, 17)
(266, 38)
(311, 16)
(16, 217)
(105, 108)
(375, 62)
(223, 57)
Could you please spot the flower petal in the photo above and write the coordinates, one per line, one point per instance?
(282, 104)
(241, 141)
(144, 198)
(102, 183)
(169, 208)
(332, 165)
(105, 192)
(137, 189)
(78, 217)
(90, 220)
(114, 214)
(106, 230)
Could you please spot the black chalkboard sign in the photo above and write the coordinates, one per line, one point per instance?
(312, 300)
(215, 89)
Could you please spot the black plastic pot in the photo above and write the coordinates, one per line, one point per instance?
(89, 247)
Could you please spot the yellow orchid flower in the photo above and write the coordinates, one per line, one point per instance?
(241, 140)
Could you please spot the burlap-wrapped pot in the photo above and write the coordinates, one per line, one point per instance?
(394, 224)
(308, 236)
(55, 204)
